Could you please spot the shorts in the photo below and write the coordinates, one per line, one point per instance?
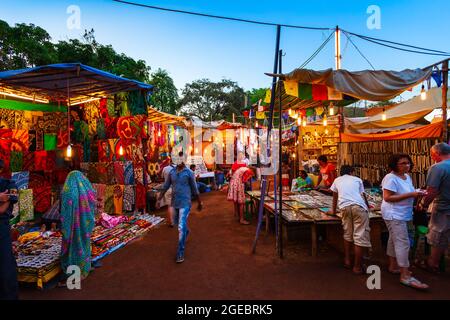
(355, 221)
(439, 230)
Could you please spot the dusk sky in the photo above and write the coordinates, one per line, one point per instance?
(191, 47)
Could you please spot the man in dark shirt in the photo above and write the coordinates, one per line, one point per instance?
(8, 273)
(184, 188)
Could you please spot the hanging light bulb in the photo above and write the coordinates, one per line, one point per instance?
(383, 115)
(325, 121)
(290, 112)
(293, 155)
(196, 150)
(69, 151)
(120, 151)
(299, 121)
(304, 122)
(326, 131)
(331, 109)
(159, 133)
(256, 124)
(315, 133)
(423, 93)
(295, 115)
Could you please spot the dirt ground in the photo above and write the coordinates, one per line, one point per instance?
(219, 265)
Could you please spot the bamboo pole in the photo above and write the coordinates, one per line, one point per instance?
(444, 101)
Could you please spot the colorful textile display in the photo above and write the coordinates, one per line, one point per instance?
(110, 222)
(54, 212)
(26, 209)
(140, 197)
(104, 152)
(20, 140)
(118, 199)
(100, 191)
(101, 129)
(311, 91)
(138, 174)
(21, 179)
(109, 199)
(112, 179)
(28, 161)
(39, 140)
(16, 162)
(119, 172)
(102, 172)
(128, 198)
(50, 141)
(40, 160)
(77, 222)
(42, 198)
(62, 139)
(128, 173)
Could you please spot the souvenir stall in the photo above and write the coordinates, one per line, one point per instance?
(79, 118)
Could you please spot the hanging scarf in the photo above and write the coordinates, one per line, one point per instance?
(77, 222)
(128, 198)
(21, 179)
(118, 199)
(16, 162)
(26, 209)
(119, 172)
(128, 173)
(140, 197)
(109, 199)
(100, 191)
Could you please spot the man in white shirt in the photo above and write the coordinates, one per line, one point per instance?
(348, 194)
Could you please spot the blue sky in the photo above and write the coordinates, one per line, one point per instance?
(191, 48)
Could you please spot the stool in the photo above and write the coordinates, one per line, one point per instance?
(421, 231)
(249, 209)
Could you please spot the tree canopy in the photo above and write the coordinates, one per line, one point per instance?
(165, 98)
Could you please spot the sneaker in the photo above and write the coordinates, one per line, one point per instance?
(180, 259)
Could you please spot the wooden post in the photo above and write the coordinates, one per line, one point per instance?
(444, 101)
(280, 133)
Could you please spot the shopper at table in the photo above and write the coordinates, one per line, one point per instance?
(438, 192)
(8, 273)
(348, 195)
(78, 207)
(397, 211)
(236, 191)
(184, 188)
(327, 173)
(302, 182)
(201, 186)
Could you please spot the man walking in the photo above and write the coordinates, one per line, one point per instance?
(184, 188)
(8, 273)
(168, 195)
(438, 192)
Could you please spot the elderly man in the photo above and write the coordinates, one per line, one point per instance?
(438, 192)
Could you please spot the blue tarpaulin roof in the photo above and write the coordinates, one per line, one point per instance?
(54, 81)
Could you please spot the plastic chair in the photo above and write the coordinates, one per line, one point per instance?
(421, 232)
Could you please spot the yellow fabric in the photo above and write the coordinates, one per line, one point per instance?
(314, 178)
(29, 236)
(428, 131)
(291, 88)
(391, 122)
(268, 96)
(260, 115)
(319, 110)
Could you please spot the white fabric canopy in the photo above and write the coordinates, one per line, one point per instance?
(369, 85)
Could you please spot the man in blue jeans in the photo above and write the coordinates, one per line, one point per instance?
(184, 188)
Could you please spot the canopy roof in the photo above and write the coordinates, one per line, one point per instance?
(219, 125)
(56, 81)
(369, 85)
(402, 114)
(163, 117)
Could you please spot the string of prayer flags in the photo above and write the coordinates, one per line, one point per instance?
(306, 91)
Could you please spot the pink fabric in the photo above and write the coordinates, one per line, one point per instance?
(236, 190)
(110, 222)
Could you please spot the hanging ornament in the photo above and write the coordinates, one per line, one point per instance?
(423, 93)
(319, 110)
(383, 115)
(331, 110)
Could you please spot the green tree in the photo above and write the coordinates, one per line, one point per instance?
(212, 100)
(256, 94)
(165, 97)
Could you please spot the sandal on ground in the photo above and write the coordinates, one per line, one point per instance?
(244, 222)
(414, 283)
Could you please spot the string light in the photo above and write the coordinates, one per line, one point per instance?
(304, 122)
(383, 115)
(24, 97)
(423, 93)
(325, 121)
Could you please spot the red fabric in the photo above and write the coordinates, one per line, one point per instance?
(247, 175)
(319, 92)
(119, 172)
(20, 140)
(62, 139)
(237, 165)
(28, 161)
(325, 172)
(103, 108)
(42, 198)
(5, 147)
(140, 196)
(40, 160)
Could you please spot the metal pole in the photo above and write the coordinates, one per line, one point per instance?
(444, 101)
(280, 111)
(272, 104)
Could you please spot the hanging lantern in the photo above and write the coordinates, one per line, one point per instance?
(383, 115)
(423, 93)
(69, 151)
(331, 109)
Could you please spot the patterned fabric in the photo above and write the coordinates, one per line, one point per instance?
(28, 161)
(5, 146)
(111, 128)
(16, 163)
(50, 163)
(77, 222)
(42, 198)
(128, 198)
(39, 140)
(101, 130)
(26, 209)
(109, 199)
(20, 140)
(119, 172)
(100, 191)
(118, 199)
(94, 151)
(21, 179)
(128, 173)
(236, 190)
(122, 104)
(84, 168)
(110, 105)
(104, 153)
(62, 139)
(50, 141)
(7, 118)
(102, 172)
(32, 140)
(61, 175)
(53, 213)
(138, 174)
(38, 179)
(140, 197)
(111, 174)
(103, 108)
(40, 160)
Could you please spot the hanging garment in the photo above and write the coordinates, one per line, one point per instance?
(39, 140)
(40, 160)
(42, 198)
(138, 174)
(102, 172)
(100, 191)
(110, 105)
(26, 209)
(128, 198)
(112, 179)
(119, 172)
(20, 140)
(21, 179)
(77, 222)
(109, 199)
(128, 173)
(50, 141)
(103, 108)
(16, 162)
(140, 197)
(118, 199)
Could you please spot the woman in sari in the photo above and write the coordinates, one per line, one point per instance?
(78, 207)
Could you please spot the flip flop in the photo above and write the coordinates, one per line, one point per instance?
(414, 283)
